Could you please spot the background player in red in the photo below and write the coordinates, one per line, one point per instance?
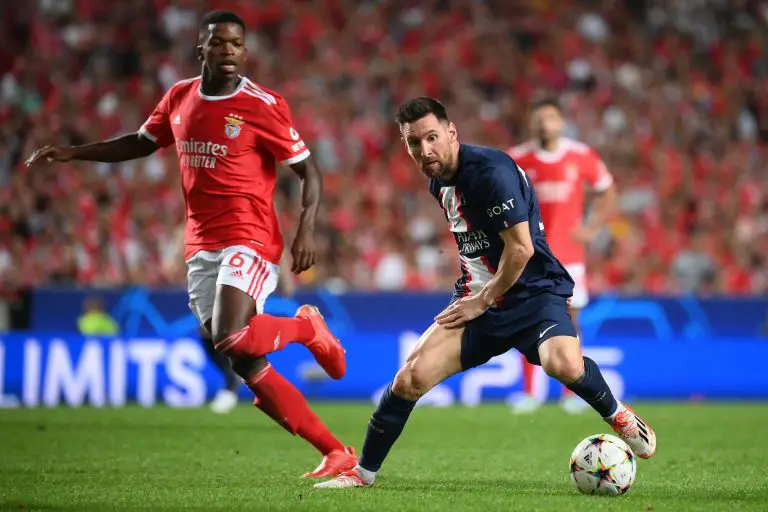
(229, 133)
(562, 170)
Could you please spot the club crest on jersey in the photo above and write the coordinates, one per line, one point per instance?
(232, 128)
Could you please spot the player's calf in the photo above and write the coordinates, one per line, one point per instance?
(265, 334)
(284, 403)
(384, 428)
(561, 357)
(262, 335)
(593, 389)
(435, 358)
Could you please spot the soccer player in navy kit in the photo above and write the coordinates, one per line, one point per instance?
(512, 292)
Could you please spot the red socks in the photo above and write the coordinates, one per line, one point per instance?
(281, 401)
(265, 334)
(529, 371)
(278, 398)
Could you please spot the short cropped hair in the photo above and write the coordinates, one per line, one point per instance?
(417, 108)
(220, 16)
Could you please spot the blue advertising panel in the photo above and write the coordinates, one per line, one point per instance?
(48, 370)
(647, 347)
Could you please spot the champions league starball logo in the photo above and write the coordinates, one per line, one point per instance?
(232, 128)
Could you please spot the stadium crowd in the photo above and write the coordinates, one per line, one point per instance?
(674, 98)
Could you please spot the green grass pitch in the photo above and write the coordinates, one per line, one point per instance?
(710, 457)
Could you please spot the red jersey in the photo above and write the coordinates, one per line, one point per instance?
(560, 178)
(228, 147)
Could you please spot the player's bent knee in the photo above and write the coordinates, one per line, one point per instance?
(411, 382)
(247, 367)
(229, 341)
(220, 333)
(565, 367)
(572, 370)
(561, 359)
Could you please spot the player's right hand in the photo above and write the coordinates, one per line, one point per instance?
(51, 154)
(303, 251)
(462, 311)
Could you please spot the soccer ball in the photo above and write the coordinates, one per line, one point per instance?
(603, 464)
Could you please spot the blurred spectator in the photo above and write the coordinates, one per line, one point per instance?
(694, 269)
(673, 94)
(95, 321)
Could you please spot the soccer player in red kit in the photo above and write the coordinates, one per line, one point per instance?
(562, 170)
(229, 133)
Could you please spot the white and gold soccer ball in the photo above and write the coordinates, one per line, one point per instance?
(603, 464)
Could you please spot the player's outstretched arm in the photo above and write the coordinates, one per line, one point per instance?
(119, 149)
(303, 249)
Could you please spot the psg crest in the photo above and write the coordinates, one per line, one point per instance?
(232, 128)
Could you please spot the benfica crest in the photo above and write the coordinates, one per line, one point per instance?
(232, 128)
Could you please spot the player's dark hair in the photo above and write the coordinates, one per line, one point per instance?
(546, 102)
(220, 16)
(417, 108)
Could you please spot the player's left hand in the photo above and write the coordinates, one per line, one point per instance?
(303, 251)
(462, 311)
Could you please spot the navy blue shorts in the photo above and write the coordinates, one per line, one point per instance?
(498, 330)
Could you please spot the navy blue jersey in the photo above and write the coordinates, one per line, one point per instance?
(489, 194)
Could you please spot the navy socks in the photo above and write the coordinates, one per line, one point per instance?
(387, 422)
(593, 389)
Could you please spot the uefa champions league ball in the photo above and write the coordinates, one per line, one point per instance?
(603, 464)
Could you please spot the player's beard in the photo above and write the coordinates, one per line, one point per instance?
(448, 166)
(434, 169)
(439, 168)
